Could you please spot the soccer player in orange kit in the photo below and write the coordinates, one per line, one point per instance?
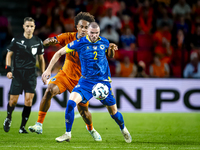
(68, 76)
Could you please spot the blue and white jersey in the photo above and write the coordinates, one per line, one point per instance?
(94, 64)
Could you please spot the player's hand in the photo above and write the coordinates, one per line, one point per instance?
(113, 46)
(52, 41)
(45, 76)
(9, 75)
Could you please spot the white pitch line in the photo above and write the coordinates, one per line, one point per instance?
(101, 147)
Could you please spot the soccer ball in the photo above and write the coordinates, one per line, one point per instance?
(100, 91)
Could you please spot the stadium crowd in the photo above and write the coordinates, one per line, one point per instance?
(156, 38)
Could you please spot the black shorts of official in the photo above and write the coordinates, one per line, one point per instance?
(24, 80)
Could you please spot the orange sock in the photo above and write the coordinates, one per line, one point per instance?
(89, 127)
(41, 116)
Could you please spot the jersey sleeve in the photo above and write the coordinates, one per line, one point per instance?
(40, 48)
(73, 46)
(11, 47)
(65, 38)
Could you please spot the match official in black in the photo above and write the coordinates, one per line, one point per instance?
(24, 47)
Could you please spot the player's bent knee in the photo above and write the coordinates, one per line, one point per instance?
(52, 90)
(28, 102)
(12, 103)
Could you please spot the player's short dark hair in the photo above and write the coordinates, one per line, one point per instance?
(29, 19)
(83, 16)
(94, 25)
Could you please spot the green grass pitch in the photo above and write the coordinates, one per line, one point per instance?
(157, 131)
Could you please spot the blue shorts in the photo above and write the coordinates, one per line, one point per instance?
(84, 88)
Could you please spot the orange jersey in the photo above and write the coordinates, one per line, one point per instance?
(72, 65)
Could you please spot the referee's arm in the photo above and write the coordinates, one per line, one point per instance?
(41, 62)
(8, 64)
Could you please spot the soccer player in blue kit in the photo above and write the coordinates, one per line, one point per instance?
(95, 69)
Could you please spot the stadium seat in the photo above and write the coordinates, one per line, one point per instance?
(145, 41)
(176, 71)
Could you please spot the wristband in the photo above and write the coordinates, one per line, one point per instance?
(8, 69)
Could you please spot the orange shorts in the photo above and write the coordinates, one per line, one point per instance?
(65, 83)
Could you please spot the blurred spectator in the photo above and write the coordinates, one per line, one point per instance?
(166, 2)
(109, 19)
(141, 70)
(124, 10)
(110, 34)
(181, 8)
(39, 17)
(192, 69)
(162, 39)
(164, 18)
(195, 39)
(114, 4)
(145, 18)
(55, 18)
(180, 40)
(159, 69)
(68, 20)
(181, 24)
(196, 8)
(195, 23)
(126, 68)
(96, 8)
(92, 7)
(5, 34)
(127, 22)
(58, 30)
(78, 6)
(127, 39)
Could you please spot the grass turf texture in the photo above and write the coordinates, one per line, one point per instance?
(149, 131)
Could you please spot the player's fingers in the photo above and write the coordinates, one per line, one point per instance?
(115, 47)
(44, 80)
(48, 76)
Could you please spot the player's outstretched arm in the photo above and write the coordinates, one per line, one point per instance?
(111, 50)
(50, 41)
(47, 73)
(8, 64)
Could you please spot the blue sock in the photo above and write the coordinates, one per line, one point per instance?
(69, 115)
(119, 119)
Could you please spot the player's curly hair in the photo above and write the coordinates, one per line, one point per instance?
(83, 16)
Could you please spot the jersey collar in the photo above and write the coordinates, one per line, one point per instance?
(87, 37)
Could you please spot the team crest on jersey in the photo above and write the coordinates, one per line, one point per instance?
(88, 47)
(54, 79)
(71, 44)
(34, 51)
(102, 47)
(94, 47)
(22, 41)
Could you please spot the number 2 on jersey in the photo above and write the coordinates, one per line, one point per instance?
(95, 57)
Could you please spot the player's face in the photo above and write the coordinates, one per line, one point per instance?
(93, 34)
(29, 27)
(82, 28)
